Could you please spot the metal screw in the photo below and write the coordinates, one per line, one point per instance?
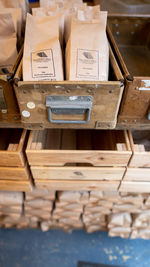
(116, 24)
(137, 88)
(110, 91)
(89, 99)
(68, 91)
(41, 126)
(136, 25)
(134, 120)
(117, 33)
(89, 91)
(16, 118)
(124, 120)
(24, 91)
(43, 92)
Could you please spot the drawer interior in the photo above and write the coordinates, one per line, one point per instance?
(60, 139)
(132, 35)
(10, 139)
(141, 140)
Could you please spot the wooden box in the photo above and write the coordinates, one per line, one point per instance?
(130, 39)
(78, 159)
(14, 172)
(9, 110)
(104, 98)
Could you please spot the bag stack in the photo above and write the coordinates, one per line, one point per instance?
(69, 207)
(11, 209)
(38, 206)
(12, 17)
(96, 211)
(62, 27)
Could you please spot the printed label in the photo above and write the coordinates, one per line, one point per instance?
(31, 105)
(25, 113)
(43, 64)
(87, 64)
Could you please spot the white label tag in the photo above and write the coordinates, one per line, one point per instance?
(87, 64)
(43, 64)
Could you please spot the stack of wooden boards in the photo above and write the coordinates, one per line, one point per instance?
(14, 171)
(121, 214)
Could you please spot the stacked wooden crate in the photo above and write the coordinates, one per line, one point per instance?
(78, 159)
(11, 209)
(69, 207)
(137, 177)
(14, 172)
(38, 207)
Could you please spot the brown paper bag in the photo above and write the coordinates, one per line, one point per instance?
(8, 41)
(87, 56)
(42, 59)
(17, 19)
(23, 4)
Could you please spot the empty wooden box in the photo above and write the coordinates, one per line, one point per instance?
(78, 159)
(14, 172)
(130, 39)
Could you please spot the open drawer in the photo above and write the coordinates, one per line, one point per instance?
(70, 104)
(12, 143)
(140, 143)
(56, 156)
(14, 170)
(130, 38)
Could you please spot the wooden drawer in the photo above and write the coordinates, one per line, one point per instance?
(9, 185)
(62, 158)
(12, 143)
(9, 110)
(130, 39)
(137, 174)
(62, 147)
(37, 101)
(135, 187)
(140, 143)
(77, 185)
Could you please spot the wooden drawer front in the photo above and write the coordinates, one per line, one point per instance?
(135, 187)
(77, 173)
(9, 185)
(62, 147)
(77, 185)
(106, 97)
(12, 173)
(137, 174)
(140, 143)
(11, 147)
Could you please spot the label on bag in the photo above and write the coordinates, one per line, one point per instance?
(43, 64)
(87, 64)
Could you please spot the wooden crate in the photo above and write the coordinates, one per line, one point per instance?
(140, 143)
(106, 97)
(129, 36)
(14, 171)
(9, 110)
(71, 159)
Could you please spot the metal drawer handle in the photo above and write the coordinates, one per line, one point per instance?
(69, 105)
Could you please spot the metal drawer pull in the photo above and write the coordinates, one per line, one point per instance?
(69, 105)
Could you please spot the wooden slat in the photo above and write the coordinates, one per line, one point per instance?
(77, 173)
(77, 185)
(137, 174)
(12, 173)
(135, 187)
(7, 185)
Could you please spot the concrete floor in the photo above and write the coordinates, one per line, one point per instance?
(25, 248)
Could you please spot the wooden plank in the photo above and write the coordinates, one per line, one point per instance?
(77, 173)
(137, 174)
(68, 140)
(13, 173)
(53, 139)
(77, 185)
(61, 157)
(140, 159)
(7, 185)
(136, 187)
